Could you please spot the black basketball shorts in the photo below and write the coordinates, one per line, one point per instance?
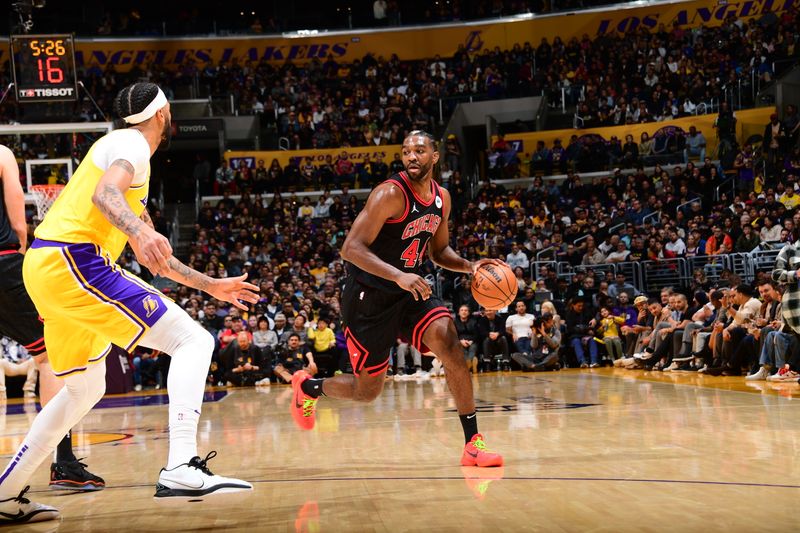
(19, 319)
(373, 320)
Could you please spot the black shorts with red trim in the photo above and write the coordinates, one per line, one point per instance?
(373, 320)
(19, 319)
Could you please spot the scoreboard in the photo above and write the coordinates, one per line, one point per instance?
(44, 68)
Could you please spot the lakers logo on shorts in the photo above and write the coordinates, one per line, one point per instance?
(150, 305)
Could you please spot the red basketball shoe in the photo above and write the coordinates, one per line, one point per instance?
(476, 454)
(303, 405)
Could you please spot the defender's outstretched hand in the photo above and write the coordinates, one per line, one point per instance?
(234, 289)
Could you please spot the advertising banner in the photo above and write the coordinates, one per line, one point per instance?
(748, 122)
(413, 42)
(356, 155)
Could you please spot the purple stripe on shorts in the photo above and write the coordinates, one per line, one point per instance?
(143, 306)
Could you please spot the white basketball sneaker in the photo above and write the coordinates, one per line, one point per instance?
(21, 510)
(194, 479)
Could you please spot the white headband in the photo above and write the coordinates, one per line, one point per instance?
(158, 102)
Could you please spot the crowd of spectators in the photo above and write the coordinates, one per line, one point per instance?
(614, 79)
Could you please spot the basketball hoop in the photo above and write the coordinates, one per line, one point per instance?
(44, 196)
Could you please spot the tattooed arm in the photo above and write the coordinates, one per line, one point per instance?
(151, 248)
(188, 276)
(109, 197)
(226, 289)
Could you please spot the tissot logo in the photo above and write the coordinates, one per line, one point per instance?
(49, 92)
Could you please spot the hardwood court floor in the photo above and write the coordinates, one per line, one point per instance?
(592, 450)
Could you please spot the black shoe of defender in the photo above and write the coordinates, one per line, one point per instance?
(72, 475)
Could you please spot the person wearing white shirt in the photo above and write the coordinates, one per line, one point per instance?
(517, 258)
(676, 244)
(379, 11)
(618, 255)
(519, 326)
(771, 232)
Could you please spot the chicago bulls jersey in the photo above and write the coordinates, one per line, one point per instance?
(403, 242)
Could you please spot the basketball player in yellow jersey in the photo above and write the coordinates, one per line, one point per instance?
(88, 302)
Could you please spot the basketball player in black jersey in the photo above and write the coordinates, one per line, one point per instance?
(385, 297)
(19, 320)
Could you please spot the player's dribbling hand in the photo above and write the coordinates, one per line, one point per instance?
(152, 250)
(416, 285)
(480, 262)
(234, 289)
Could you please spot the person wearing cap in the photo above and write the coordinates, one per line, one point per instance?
(634, 335)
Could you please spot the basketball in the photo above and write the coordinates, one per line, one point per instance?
(494, 286)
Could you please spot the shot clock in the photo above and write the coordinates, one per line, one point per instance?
(44, 68)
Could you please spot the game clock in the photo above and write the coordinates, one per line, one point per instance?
(44, 68)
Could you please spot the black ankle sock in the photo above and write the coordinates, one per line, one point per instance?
(64, 449)
(312, 387)
(470, 424)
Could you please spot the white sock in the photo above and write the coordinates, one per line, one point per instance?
(66, 409)
(190, 347)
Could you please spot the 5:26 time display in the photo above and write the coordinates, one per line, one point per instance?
(44, 67)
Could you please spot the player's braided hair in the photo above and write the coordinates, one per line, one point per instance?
(134, 98)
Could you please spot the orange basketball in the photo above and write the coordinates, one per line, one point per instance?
(494, 286)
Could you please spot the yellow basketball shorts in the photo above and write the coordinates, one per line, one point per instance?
(87, 302)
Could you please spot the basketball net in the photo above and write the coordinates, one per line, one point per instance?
(44, 196)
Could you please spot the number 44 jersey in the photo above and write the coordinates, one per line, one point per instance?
(403, 241)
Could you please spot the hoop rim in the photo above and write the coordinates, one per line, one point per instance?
(48, 187)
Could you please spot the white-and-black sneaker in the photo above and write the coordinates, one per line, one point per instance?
(21, 510)
(194, 479)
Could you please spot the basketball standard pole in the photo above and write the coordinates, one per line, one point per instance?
(97, 107)
(5, 94)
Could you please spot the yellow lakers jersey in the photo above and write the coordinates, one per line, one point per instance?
(74, 218)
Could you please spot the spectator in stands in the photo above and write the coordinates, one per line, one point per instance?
(734, 333)
(26, 367)
(593, 256)
(621, 286)
(608, 330)
(244, 361)
(467, 329)
(517, 258)
(545, 343)
(774, 144)
(519, 326)
(580, 332)
(695, 145)
(322, 342)
(263, 337)
(718, 239)
(298, 328)
(492, 336)
(223, 178)
(293, 357)
(747, 241)
(143, 362)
